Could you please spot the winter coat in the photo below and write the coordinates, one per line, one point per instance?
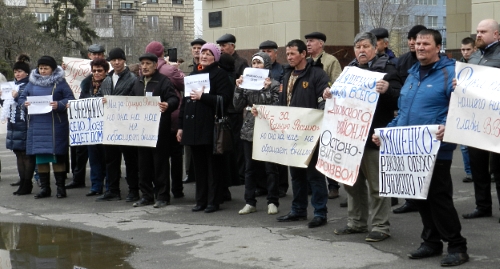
(405, 62)
(175, 75)
(187, 67)
(87, 89)
(426, 101)
(124, 85)
(308, 88)
(161, 86)
(17, 130)
(196, 117)
(48, 133)
(244, 98)
(488, 57)
(387, 102)
(330, 64)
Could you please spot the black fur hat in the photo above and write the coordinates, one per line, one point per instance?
(22, 63)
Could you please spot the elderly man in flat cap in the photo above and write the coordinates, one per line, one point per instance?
(315, 44)
(79, 154)
(189, 66)
(271, 48)
(383, 44)
(237, 160)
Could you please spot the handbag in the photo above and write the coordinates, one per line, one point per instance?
(223, 137)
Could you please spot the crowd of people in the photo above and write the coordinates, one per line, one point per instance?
(185, 138)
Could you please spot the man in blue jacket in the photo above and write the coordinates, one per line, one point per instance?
(424, 100)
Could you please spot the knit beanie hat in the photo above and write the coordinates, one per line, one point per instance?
(48, 60)
(116, 53)
(156, 48)
(415, 30)
(213, 48)
(22, 63)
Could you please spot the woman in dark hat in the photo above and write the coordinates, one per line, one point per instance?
(48, 133)
(17, 127)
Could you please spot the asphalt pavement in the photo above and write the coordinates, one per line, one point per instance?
(175, 237)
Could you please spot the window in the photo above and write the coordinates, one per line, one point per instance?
(127, 48)
(102, 4)
(127, 26)
(103, 20)
(15, 3)
(153, 23)
(444, 2)
(420, 20)
(177, 2)
(427, 2)
(41, 17)
(178, 23)
(126, 5)
(432, 21)
(444, 22)
(152, 1)
(403, 20)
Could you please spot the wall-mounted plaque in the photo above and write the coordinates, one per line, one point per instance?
(215, 19)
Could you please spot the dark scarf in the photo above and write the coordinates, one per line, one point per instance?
(96, 84)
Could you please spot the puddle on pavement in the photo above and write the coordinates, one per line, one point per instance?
(47, 247)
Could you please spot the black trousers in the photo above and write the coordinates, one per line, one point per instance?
(154, 172)
(176, 164)
(113, 167)
(236, 156)
(207, 170)
(438, 213)
(479, 164)
(79, 158)
(252, 167)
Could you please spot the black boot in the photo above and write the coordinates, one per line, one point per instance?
(61, 189)
(25, 188)
(44, 185)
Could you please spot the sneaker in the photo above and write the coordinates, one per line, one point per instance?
(424, 252)
(454, 259)
(272, 209)
(349, 230)
(333, 193)
(376, 236)
(132, 197)
(467, 179)
(247, 210)
(160, 204)
(142, 202)
(108, 196)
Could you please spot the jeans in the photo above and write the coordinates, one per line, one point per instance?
(465, 156)
(319, 198)
(251, 169)
(438, 213)
(97, 167)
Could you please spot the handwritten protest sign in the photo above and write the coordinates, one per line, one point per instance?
(86, 121)
(286, 135)
(474, 112)
(76, 70)
(347, 119)
(196, 82)
(7, 88)
(406, 160)
(131, 120)
(253, 78)
(39, 104)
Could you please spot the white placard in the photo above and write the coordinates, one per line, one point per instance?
(347, 119)
(474, 113)
(286, 135)
(86, 121)
(131, 120)
(253, 78)
(196, 82)
(406, 160)
(39, 104)
(7, 88)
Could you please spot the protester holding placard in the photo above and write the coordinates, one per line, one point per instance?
(17, 128)
(303, 86)
(48, 133)
(363, 196)
(120, 81)
(424, 100)
(154, 168)
(196, 128)
(488, 54)
(245, 99)
(90, 88)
